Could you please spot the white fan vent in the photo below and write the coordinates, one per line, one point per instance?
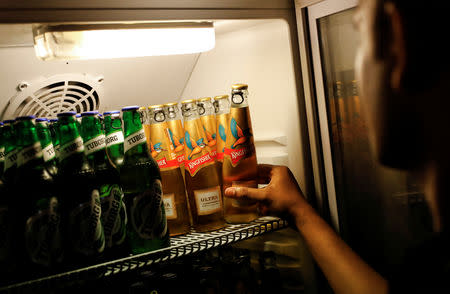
(57, 94)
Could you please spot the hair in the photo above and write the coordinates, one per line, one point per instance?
(428, 52)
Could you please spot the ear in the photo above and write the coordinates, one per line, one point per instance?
(397, 48)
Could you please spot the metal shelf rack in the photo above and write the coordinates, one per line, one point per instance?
(180, 246)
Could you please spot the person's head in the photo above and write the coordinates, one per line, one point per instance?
(403, 68)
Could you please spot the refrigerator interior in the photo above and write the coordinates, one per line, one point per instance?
(258, 52)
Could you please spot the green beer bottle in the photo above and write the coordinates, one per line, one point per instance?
(2, 151)
(114, 217)
(54, 133)
(141, 181)
(38, 201)
(114, 137)
(82, 206)
(48, 151)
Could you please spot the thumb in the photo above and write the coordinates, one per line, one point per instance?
(253, 193)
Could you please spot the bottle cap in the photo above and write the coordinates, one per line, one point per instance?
(52, 120)
(204, 99)
(26, 117)
(89, 113)
(221, 97)
(156, 106)
(171, 104)
(39, 119)
(128, 108)
(239, 87)
(67, 113)
(188, 101)
(110, 112)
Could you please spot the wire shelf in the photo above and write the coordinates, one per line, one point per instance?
(190, 243)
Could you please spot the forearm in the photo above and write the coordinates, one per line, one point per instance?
(344, 269)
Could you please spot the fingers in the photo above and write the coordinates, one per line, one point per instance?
(253, 193)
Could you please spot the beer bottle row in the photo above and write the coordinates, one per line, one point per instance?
(85, 187)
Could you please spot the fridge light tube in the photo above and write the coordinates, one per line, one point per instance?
(64, 42)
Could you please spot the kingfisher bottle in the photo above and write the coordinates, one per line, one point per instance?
(206, 112)
(141, 181)
(48, 151)
(222, 109)
(114, 217)
(38, 220)
(174, 191)
(176, 132)
(202, 180)
(82, 206)
(113, 137)
(239, 163)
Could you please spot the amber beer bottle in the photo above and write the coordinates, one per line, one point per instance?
(174, 192)
(176, 132)
(206, 111)
(222, 108)
(202, 180)
(239, 162)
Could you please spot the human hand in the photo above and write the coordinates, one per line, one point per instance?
(282, 194)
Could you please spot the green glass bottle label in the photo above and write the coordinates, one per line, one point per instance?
(2, 154)
(42, 234)
(114, 215)
(29, 153)
(48, 152)
(85, 228)
(114, 138)
(95, 144)
(10, 159)
(148, 218)
(72, 147)
(134, 140)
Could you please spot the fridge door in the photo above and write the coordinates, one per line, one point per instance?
(377, 210)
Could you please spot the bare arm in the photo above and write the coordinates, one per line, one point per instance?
(346, 272)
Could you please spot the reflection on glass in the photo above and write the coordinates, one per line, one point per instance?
(380, 210)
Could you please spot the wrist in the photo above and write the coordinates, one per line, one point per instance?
(302, 212)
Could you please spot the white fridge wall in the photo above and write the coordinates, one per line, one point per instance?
(260, 56)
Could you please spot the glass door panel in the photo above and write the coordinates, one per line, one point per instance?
(380, 210)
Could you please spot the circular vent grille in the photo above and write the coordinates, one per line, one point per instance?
(57, 94)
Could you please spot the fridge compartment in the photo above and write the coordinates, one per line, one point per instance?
(180, 246)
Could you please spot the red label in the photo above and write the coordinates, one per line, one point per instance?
(195, 164)
(220, 156)
(180, 159)
(237, 154)
(163, 163)
(213, 154)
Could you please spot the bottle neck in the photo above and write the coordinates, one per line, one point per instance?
(239, 98)
(135, 143)
(29, 146)
(46, 141)
(71, 144)
(94, 141)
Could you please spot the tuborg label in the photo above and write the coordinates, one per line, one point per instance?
(48, 152)
(114, 138)
(2, 154)
(134, 140)
(208, 200)
(42, 234)
(147, 214)
(10, 159)
(95, 144)
(85, 227)
(74, 146)
(114, 215)
(29, 153)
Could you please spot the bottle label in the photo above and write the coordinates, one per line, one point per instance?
(208, 200)
(209, 126)
(114, 215)
(85, 227)
(176, 139)
(73, 147)
(222, 122)
(43, 236)
(49, 152)
(169, 206)
(94, 144)
(2, 154)
(239, 144)
(194, 165)
(158, 143)
(29, 153)
(10, 159)
(147, 214)
(114, 138)
(134, 140)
